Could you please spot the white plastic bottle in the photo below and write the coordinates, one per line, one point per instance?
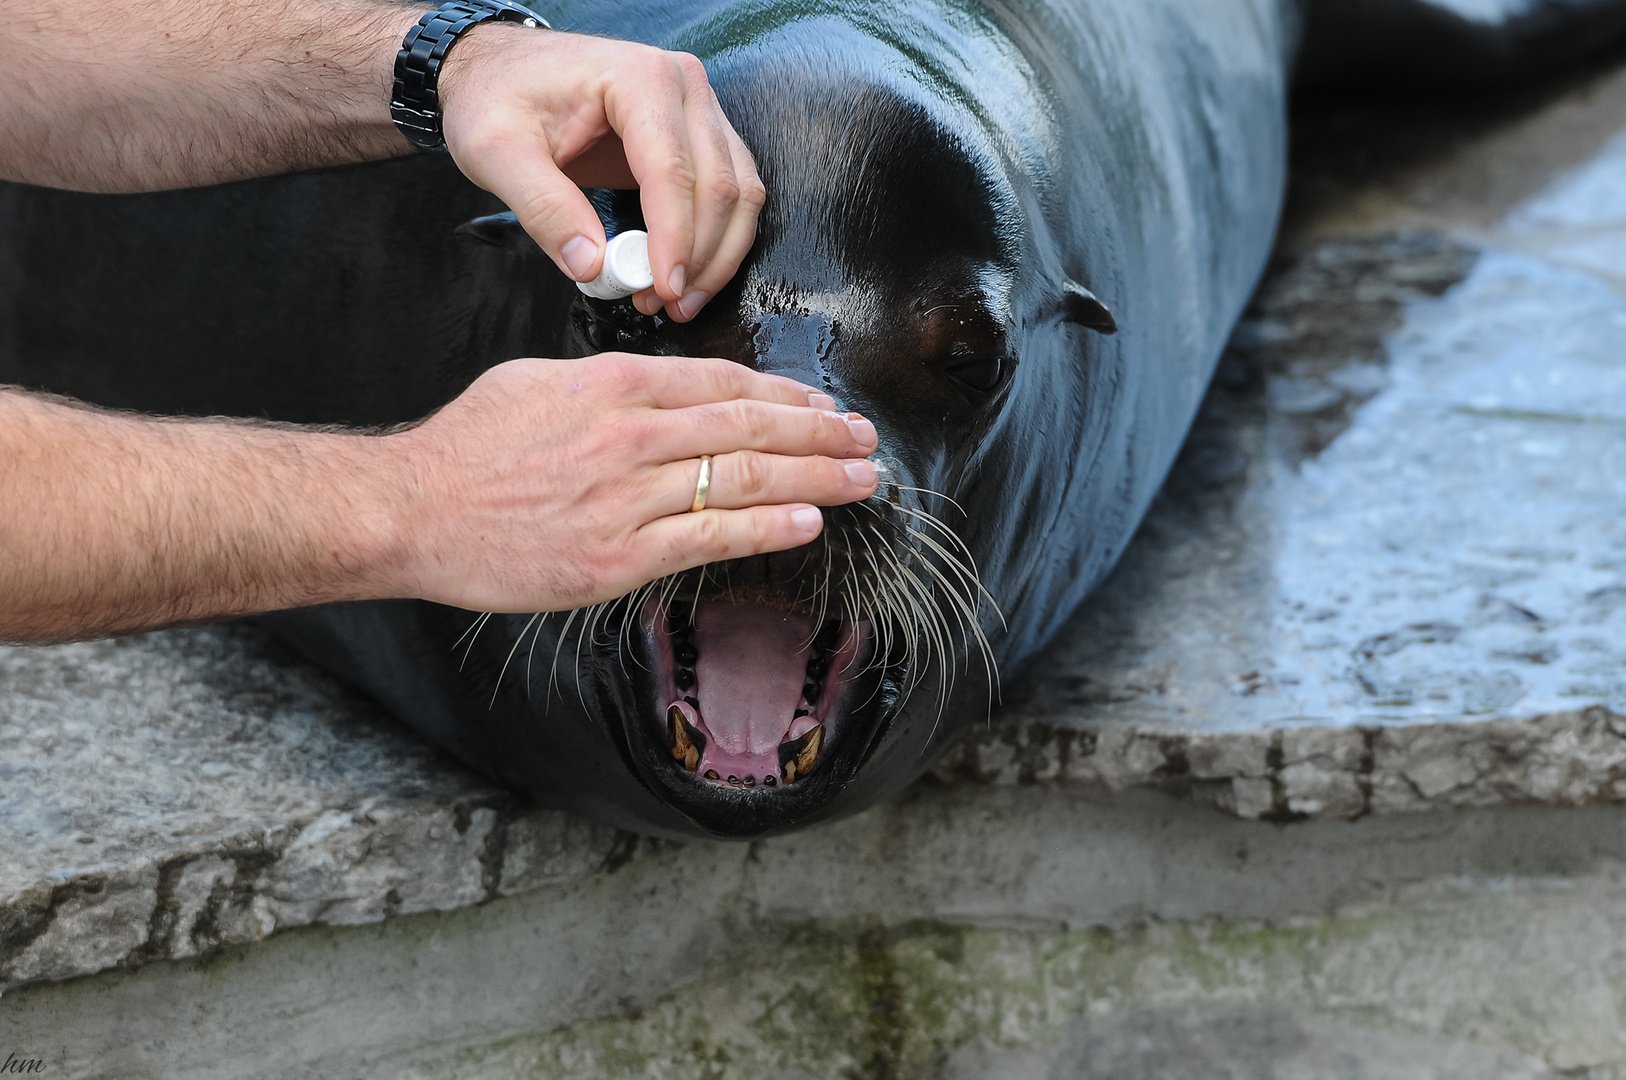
(626, 268)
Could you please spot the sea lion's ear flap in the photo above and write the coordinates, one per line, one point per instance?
(498, 230)
(1080, 305)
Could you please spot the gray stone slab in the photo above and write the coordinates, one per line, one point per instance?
(988, 932)
(1387, 575)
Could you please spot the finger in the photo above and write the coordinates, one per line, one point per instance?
(520, 171)
(717, 188)
(648, 301)
(724, 427)
(748, 478)
(738, 236)
(670, 544)
(656, 138)
(680, 382)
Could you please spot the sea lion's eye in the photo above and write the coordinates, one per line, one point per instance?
(981, 373)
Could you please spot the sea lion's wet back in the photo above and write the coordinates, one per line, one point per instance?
(965, 202)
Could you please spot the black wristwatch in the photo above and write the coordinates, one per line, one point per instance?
(415, 105)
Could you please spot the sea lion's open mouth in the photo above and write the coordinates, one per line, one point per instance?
(752, 693)
(753, 696)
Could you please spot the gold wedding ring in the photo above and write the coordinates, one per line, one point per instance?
(703, 488)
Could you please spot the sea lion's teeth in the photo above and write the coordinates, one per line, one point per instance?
(769, 781)
(684, 678)
(678, 741)
(685, 654)
(799, 713)
(694, 703)
(797, 758)
(810, 693)
(711, 774)
(810, 752)
(750, 781)
(734, 780)
(816, 667)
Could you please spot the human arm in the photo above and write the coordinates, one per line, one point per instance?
(156, 94)
(546, 485)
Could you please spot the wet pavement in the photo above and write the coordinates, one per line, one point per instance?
(1403, 498)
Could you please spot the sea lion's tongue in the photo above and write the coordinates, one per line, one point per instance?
(749, 675)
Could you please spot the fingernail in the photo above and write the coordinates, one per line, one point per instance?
(578, 254)
(862, 429)
(808, 519)
(676, 280)
(691, 303)
(862, 473)
(823, 402)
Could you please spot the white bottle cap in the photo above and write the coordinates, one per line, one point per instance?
(626, 268)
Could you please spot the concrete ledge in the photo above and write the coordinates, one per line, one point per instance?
(958, 929)
(171, 794)
(1297, 773)
(215, 792)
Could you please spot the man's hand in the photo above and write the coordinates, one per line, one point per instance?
(529, 115)
(546, 485)
(552, 484)
(181, 93)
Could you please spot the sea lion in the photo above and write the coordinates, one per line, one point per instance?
(1014, 236)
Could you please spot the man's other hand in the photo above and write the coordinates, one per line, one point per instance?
(530, 115)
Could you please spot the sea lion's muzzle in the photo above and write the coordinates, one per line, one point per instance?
(760, 687)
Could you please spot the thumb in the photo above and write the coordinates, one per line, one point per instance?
(550, 207)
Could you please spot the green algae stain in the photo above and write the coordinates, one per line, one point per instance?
(866, 1001)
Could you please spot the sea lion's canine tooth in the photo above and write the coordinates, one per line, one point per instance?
(1015, 236)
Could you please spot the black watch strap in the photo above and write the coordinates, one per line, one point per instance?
(415, 104)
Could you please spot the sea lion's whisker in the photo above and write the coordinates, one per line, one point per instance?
(541, 619)
(966, 566)
(963, 593)
(887, 591)
(558, 648)
(966, 613)
(471, 633)
(934, 494)
(932, 623)
(496, 686)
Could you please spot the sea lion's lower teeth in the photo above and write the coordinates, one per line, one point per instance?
(806, 755)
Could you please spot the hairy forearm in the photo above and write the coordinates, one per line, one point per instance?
(115, 522)
(157, 94)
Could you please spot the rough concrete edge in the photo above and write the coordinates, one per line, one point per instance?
(344, 866)
(1293, 773)
(385, 858)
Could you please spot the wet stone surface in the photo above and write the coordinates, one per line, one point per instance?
(1388, 574)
